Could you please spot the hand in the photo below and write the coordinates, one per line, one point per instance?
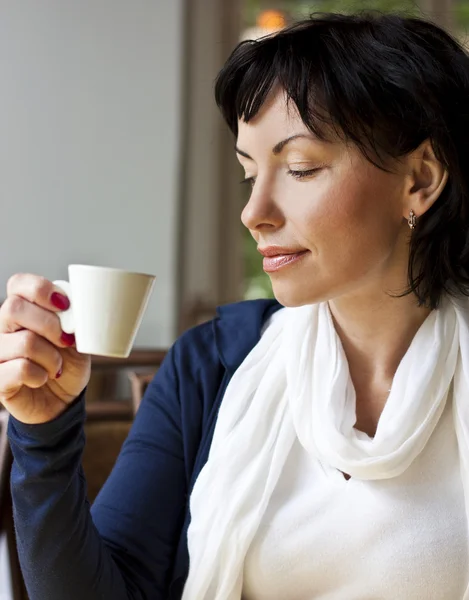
(41, 372)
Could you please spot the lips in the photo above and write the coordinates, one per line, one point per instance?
(276, 258)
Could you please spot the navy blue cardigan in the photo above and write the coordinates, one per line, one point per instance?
(132, 544)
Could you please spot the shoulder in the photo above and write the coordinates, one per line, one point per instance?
(207, 355)
(184, 396)
(228, 338)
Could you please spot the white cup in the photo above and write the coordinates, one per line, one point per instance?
(106, 308)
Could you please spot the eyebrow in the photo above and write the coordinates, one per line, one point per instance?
(278, 148)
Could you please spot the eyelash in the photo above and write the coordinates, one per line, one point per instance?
(296, 174)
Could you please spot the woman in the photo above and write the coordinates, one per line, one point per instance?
(316, 451)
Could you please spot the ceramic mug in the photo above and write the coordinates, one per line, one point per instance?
(106, 308)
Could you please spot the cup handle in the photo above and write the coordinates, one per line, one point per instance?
(66, 316)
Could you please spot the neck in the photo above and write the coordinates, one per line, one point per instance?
(376, 332)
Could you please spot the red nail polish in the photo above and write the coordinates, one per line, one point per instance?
(67, 338)
(60, 301)
(59, 373)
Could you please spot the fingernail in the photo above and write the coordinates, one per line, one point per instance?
(67, 338)
(59, 373)
(60, 301)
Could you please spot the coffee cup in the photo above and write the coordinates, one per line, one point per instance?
(106, 308)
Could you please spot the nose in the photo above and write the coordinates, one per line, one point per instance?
(262, 212)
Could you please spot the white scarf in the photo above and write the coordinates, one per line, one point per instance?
(296, 383)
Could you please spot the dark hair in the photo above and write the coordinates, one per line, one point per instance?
(385, 83)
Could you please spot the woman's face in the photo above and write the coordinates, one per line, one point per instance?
(328, 222)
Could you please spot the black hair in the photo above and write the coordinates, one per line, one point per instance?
(385, 83)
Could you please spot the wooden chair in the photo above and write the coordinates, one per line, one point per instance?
(139, 357)
(6, 512)
(139, 383)
(140, 367)
(105, 371)
(108, 422)
(141, 376)
(107, 425)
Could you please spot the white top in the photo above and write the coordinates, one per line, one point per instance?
(326, 538)
(282, 522)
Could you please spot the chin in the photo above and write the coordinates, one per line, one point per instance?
(292, 296)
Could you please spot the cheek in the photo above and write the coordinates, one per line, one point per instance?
(351, 224)
(353, 213)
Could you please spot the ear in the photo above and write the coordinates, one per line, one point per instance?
(427, 179)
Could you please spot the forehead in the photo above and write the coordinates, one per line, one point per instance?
(277, 118)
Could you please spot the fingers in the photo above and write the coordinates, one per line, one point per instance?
(20, 372)
(37, 290)
(30, 346)
(32, 303)
(17, 314)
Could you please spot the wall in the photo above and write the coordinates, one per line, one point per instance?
(89, 141)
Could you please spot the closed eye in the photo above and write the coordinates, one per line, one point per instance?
(302, 174)
(296, 174)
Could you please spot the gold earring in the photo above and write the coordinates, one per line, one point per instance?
(412, 220)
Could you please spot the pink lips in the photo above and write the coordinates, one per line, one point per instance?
(276, 257)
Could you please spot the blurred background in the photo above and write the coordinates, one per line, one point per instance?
(112, 152)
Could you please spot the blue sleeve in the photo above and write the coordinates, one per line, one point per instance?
(123, 547)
